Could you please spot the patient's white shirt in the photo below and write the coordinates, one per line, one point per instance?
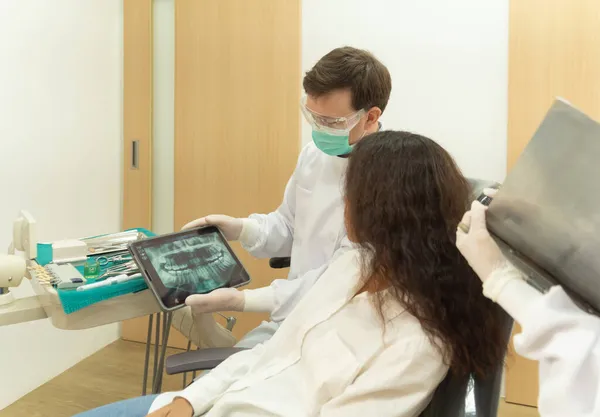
(330, 357)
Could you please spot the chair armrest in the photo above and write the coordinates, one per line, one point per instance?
(198, 360)
(280, 263)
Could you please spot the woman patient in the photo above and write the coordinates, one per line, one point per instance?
(384, 324)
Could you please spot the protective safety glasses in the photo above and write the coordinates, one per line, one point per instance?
(333, 125)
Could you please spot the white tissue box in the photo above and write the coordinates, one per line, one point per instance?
(69, 251)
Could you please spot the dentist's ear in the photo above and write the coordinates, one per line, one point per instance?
(372, 117)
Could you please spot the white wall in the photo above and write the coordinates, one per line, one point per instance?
(448, 61)
(60, 155)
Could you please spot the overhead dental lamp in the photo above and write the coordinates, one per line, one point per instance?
(13, 268)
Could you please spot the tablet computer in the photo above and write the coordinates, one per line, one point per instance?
(194, 261)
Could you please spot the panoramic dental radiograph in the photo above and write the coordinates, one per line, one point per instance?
(197, 265)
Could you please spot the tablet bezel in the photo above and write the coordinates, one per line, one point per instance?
(168, 300)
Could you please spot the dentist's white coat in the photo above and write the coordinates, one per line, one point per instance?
(329, 358)
(308, 226)
(563, 338)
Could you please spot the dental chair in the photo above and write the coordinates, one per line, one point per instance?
(449, 399)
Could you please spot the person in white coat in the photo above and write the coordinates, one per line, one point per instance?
(347, 91)
(386, 321)
(564, 339)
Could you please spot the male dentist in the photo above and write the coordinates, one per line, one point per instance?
(346, 93)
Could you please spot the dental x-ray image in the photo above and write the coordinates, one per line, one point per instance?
(198, 264)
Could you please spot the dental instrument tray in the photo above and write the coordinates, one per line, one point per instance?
(114, 242)
(103, 245)
(112, 256)
(180, 264)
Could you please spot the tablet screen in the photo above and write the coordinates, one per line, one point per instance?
(191, 262)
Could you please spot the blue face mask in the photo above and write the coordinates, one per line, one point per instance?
(333, 145)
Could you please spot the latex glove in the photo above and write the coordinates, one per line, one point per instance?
(490, 192)
(222, 299)
(231, 227)
(477, 246)
(180, 407)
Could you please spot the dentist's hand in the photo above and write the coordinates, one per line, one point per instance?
(222, 299)
(477, 246)
(229, 226)
(490, 192)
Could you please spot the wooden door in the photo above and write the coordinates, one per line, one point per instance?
(137, 113)
(554, 50)
(237, 120)
(237, 127)
(137, 130)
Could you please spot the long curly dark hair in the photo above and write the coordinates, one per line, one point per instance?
(405, 196)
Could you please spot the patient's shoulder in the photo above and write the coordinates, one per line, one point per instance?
(344, 270)
(407, 334)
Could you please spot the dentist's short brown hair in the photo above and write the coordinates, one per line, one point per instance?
(368, 80)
